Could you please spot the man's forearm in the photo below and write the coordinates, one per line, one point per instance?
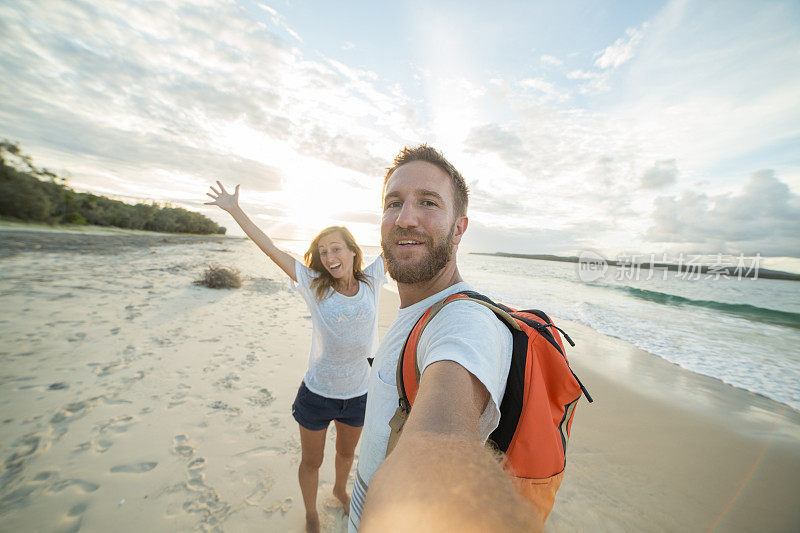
(436, 482)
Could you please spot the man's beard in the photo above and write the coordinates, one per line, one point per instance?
(427, 267)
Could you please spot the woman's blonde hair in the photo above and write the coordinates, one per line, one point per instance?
(324, 282)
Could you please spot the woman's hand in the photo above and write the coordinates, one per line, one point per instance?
(230, 203)
(223, 198)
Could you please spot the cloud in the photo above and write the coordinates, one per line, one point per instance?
(764, 217)
(278, 20)
(551, 61)
(661, 174)
(547, 89)
(341, 149)
(583, 75)
(365, 217)
(499, 139)
(619, 53)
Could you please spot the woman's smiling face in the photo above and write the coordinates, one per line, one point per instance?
(336, 256)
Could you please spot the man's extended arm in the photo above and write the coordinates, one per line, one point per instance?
(440, 477)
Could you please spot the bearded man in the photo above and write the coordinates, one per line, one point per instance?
(439, 477)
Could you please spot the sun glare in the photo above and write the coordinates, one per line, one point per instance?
(314, 193)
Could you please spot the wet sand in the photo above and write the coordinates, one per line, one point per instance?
(132, 399)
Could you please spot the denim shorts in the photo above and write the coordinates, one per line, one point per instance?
(315, 412)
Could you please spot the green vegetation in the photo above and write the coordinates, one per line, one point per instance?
(219, 277)
(33, 194)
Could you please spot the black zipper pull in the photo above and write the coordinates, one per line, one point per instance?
(542, 327)
(570, 341)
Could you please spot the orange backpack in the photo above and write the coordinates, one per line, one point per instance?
(537, 407)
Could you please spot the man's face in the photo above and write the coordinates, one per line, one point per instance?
(418, 230)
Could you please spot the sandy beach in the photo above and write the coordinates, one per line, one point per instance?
(132, 399)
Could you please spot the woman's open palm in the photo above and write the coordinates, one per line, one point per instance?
(223, 198)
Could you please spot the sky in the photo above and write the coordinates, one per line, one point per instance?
(618, 127)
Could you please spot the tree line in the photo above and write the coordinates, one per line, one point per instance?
(32, 194)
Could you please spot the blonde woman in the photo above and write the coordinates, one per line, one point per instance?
(343, 300)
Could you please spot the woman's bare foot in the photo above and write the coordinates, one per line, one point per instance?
(312, 523)
(342, 496)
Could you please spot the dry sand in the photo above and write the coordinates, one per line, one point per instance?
(132, 399)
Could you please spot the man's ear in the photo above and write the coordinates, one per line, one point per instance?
(461, 227)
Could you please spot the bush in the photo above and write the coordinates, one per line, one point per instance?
(219, 277)
(75, 218)
(21, 198)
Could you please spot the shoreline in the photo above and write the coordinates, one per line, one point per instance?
(97, 240)
(15, 240)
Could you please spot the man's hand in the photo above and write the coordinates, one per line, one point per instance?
(223, 198)
(440, 477)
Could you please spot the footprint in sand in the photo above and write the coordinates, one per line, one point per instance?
(228, 381)
(129, 352)
(78, 509)
(69, 413)
(134, 468)
(219, 405)
(74, 518)
(132, 313)
(114, 400)
(107, 369)
(203, 499)
(99, 445)
(80, 484)
(181, 446)
(77, 337)
(163, 342)
(262, 398)
(178, 397)
(283, 506)
(263, 482)
(195, 469)
(249, 361)
(117, 424)
(138, 376)
(24, 448)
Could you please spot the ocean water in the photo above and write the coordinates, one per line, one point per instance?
(744, 332)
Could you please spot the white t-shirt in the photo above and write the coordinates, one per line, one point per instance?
(464, 332)
(344, 334)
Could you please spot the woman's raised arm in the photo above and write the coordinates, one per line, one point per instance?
(230, 203)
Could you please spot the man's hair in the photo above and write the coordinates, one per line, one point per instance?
(429, 154)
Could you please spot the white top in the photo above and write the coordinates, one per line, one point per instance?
(344, 334)
(464, 332)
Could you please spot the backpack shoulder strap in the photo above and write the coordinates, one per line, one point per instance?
(408, 374)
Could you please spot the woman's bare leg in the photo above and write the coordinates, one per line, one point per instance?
(313, 450)
(346, 440)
